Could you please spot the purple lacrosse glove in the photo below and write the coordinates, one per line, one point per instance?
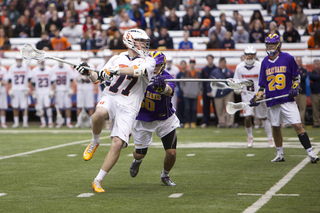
(294, 91)
(253, 101)
(159, 84)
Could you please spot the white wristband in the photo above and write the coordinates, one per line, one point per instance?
(139, 70)
(165, 89)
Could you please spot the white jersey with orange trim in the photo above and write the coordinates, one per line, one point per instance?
(3, 77)
(17, 75)
(42, 79)
(128, 90)
(250, 73)
(64, 74)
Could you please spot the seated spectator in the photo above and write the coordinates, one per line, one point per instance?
(88, 42)
(134, 6)
(101, 39)
(289, 7)
(40, 27)
(88, 24)
(185, 44)
(280, 18)
(59, 42)
(207, 21)
(72, 32)
(241, 35)
(256, 15)
(228, 42)
(121, 4)
(172, 21)
(210, 3)
(106, 9)
(4, 13)
(241, 22)
(188, 19)
(119, 17)
(4, 40)
(196, 7)
(219, 30)
(257, 33)
(291, 35)
(52, 30)
(147, 7)
(44, 43)
(164, 41)
(299, 19)
(273, 29)
(116, 43)
(272, 7)
(127, 24)
(156, 21)
(225, 23)
(314, 40)
(29, 20)
(196, 31)
(214, 42)
(314, 26)
(50, 9)
(170, 5)
(13, 13)
(139, 19)
(74, 13)
(234, 18)
(7, 26)
(36, 5)
(55, 20)
(97, 17)
(82, 7)
(112, 29)
(22, 30)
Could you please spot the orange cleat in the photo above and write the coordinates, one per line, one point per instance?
(96, 186)
(88, 153)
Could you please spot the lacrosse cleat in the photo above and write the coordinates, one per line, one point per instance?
(78, 125)
(50, 125)
(134, 168)
(89, 151)
(96, 186)
(58, 126)
(15, 125)
(167, 181)
(314, 158)
(43, 126)
(4, 126)
(25, 125)
(278, 158)
(271, 144)
(69, 125)
(250, 142)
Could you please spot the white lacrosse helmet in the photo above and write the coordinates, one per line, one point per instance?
(250, 55)
(61, 55)
(85, 55)
(137, 40)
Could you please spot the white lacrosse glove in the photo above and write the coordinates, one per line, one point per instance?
(51, 94)
(34, 95)
(70, 92)
(109, 72)
(27, 91)
(10, 92)
(80, 68)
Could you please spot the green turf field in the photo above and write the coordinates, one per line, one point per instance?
(43, 171)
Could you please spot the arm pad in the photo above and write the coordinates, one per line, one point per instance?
(139, 70)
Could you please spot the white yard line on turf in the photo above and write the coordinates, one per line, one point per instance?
(52, 131)
(273, 190)
(48, 148)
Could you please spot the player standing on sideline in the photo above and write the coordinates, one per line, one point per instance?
(131, 72)
(63, 88)
(279, 75)
(19, 90)
(3, 96)
(157, 115)
(43, 81)
(249, 69)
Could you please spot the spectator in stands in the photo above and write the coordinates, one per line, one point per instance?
(172, 21)
(139, 19)
(301, 99)
(116, 43)
(314, 26)
(88, 24)
(106, 9)
(225, 23)
(151, 36)
(59, 42)
(207, 21)
(191, 91)
(7, 26)
(34, 4)
(72, 32)
(289, 7)
(210, 3)
(188, 19)
(196, 31)
(291, 35)
(185, 44)
(52, 30)
(272, 7)
(40, 27)
(82, 7)
(23, 29)
(134, 6)
(121, 4)
(127, 24)
(180, 100)
(113, 27)
(273, 28)
(13, 13)
(88, 42)
(315, 92)
(97, 17)
(314, 40)
(146, 6)
(4, 40)
(44, 43)
(164, 41)
(228, 42)
(119, 17)
(234, 18)
(214, 42)
(29, 20)
(60, 5)
(101, 39)
(74, 13)
(241, 35)
(50, 9)
(299, 19)
(219, 30)
(195, 6)
(241, 22)
(55, 20)
(280, 18)
(257, 33)
(256, 15)
(205, 73)
(156, 20)
(222, 97)
(170, 5)
(4, 13)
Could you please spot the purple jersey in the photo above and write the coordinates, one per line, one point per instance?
(156, 106)
(276, 76)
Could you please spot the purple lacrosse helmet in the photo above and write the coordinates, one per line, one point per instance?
(160, 60)
(273, 44)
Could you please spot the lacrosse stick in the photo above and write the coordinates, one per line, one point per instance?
(39, 111)
(234, 86)
(60, 119)
(84, 116)
(234, 107)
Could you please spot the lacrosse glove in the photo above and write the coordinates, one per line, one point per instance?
(109, 72)
(80, 68)
(159, 85)
(253, 101)
(295, 90)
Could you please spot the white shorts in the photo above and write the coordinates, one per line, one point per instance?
(143, 131)
(19, 100)
(260, 111)
(3, 100)
(43, 100)
(288, 113)
(86, 98)
(63, 100)
(122, 118)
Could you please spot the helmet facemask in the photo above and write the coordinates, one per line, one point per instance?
(160, 61)
(138, 41)
(273, 44)
(141, 46)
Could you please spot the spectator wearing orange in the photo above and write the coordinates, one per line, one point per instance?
(314, 40)
(280, 18)
(314, 26)
(60, 43)
(289, 7)
(147, 7)
(196, 30)
(207, 21)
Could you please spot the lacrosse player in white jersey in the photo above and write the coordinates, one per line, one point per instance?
(43, 81)
(130, 72)
(85, 92)
(3, 96)
(19, 90)
(249, 69)
(63, 88)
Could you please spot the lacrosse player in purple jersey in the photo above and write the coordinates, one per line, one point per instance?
(157, 115)
(279, 75)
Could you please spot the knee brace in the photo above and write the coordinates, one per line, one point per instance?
(170, 140)
(142, 151)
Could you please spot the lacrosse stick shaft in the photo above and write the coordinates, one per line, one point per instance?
(269, 99)
(67, 62)
(194, 80)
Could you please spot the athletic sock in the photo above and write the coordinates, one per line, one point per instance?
(3, 119)
(101, 175)
(25, 119)
(96, 138)
(304, 140)
(68, 120)
(137, 161)
(267, 128)
(164, 173)
(249, 131)
(43, 120)
(310, 152)
(49, 115)
(279, 150)
(16, 119)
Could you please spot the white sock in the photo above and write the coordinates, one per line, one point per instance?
(138, 161)
(101, 175)
(78, 119)
(96, 138)
(3, 119)
(267, 128)
(279, 150)
(25, 119)
(164, 173)
(43, 120)
(310, 152)
(49, 115)
(50, 121)
(16, 119)
(249, 131)
(68, 120)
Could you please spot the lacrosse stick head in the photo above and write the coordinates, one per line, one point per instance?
(238, 84)
(232, 108)
(219, 85)
(30, 52)
(39, 111)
